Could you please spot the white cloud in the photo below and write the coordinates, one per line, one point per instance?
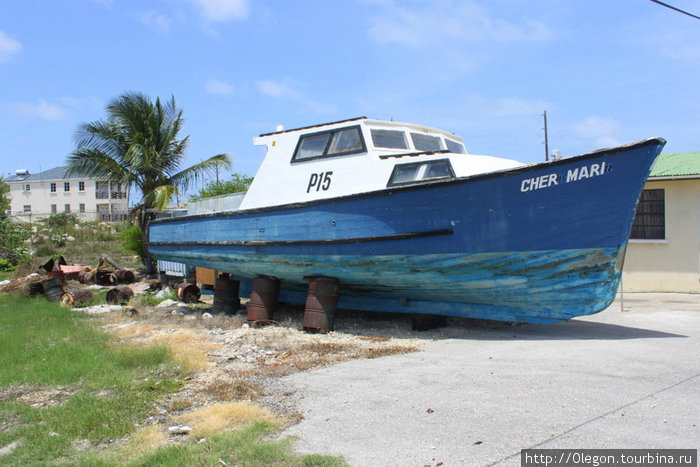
(8, 47)
(450, 23)
(222, 10)
(276, 89)
(601, 130)
(42, 110)
(218, 87)
(155, 20)
(279, 90)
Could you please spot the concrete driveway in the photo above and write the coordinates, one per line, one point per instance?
(613, 380)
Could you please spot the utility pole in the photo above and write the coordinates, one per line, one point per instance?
(546, 139)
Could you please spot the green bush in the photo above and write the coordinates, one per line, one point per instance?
(12, 241)
(62, 222)
(131, 240)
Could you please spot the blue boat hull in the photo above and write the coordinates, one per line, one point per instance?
(538, 244)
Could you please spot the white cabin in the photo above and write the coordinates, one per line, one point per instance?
(358, 156)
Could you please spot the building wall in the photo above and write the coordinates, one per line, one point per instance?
(673, 264)
(106, 203)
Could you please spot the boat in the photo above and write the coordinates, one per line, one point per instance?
(406, 220)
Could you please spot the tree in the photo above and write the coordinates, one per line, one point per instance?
(138, 144)
(237, 184)
(12, 234)
(4, 200)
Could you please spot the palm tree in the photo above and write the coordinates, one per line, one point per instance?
(138, 145)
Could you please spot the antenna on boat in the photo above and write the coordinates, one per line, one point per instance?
(546, 139)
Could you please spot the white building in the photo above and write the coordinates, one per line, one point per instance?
(37, 196)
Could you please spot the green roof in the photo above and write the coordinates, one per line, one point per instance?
(680, 164)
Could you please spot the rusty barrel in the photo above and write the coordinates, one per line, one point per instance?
(226, 299)
(263, 300)
(86, 277)
(105, 277)
(188, 293)
(119, 295)
(124, 276)
(321, 303)
(57, 274)
(76, 298)
(52, 289)
(35, 288)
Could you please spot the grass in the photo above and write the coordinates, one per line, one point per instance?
(71, 395)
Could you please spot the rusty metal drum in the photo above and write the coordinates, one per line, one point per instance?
(76, 298)
(188, 293)
(124, 276)
(321, 303)
(263, 300)
(119, 295)
(226, 299)
(53, 289)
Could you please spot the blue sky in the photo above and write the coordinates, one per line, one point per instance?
(606, 71)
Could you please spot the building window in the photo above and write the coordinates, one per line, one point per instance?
(53, 209)
(26, 187)
(53, 188)
(650, 219)
(27, 208)
(66, 186)
(82, 207)
(66, 208)
(81, 186)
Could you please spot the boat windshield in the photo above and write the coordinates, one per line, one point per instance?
(420, 171)
(393, 139)
(426, 142)
(338, 142)
(455, 147)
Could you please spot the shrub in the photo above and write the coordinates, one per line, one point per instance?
(13, 238)
(131, 240)
(62, 222)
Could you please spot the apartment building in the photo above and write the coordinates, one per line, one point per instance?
(37, 196)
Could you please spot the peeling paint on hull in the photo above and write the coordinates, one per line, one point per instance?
(488, 246)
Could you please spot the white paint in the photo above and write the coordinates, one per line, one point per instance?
(279, 181)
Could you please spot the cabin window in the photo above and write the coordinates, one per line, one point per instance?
(332, 143)
(389, 139)
(420, 171)
(455, 147)
(650, 218)
(426, 142)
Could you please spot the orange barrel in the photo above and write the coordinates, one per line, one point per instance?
(226, 299)
(52, 289)
(76, 298)
(263, 300)
(124, 276)
(321, 303)
(119, 295)
(188, 293)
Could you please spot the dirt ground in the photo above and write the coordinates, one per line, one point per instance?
(232, 361)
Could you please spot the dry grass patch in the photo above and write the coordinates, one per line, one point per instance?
(223, 416)
(237, 389)
(146, 439)
(189, 346)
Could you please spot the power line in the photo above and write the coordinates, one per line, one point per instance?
(676, 9)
